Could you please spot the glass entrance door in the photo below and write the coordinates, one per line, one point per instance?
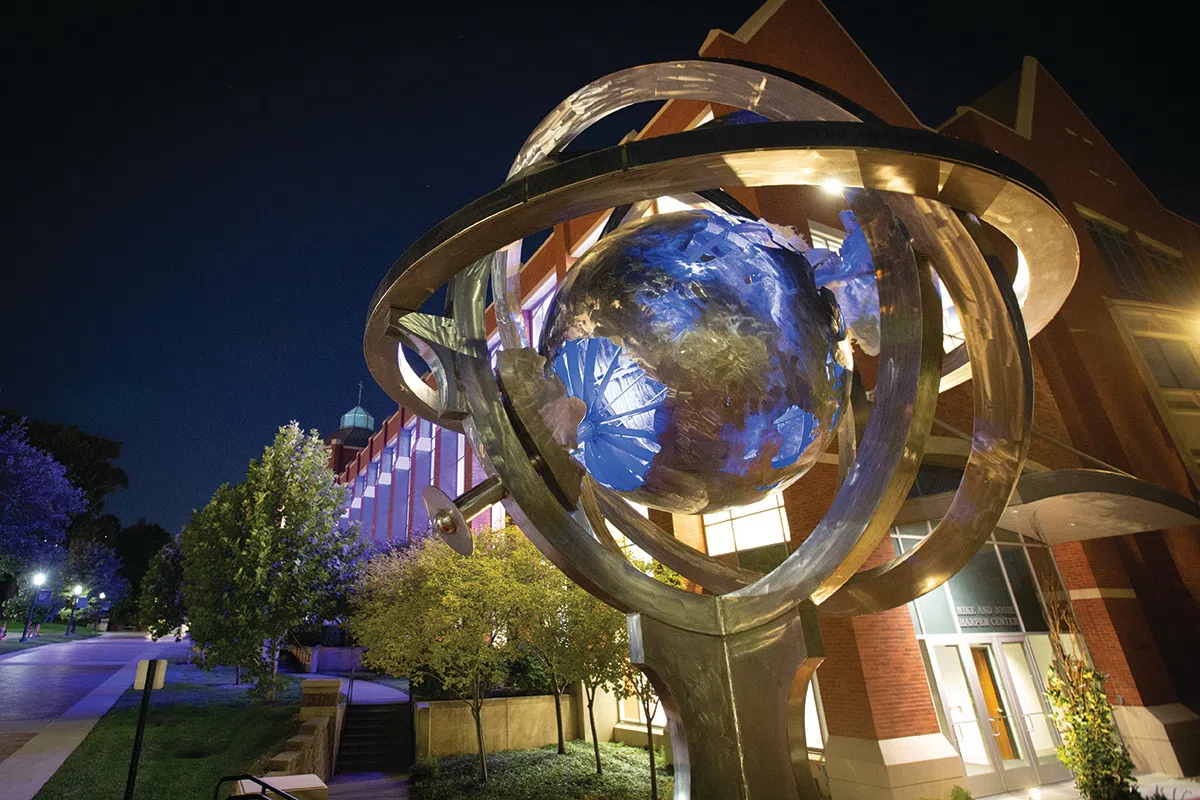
(1001, 717)
(994, 705)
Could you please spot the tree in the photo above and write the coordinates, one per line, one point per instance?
(160, 605)
(598, 651)
(269, 555)
(36, 504)
(87, 457)
(544, 619)
(216, 592)
(95, 568)
(135, 545)
(636, 683)
(428, 613)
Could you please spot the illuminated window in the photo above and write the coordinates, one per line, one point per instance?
(1124, 266)
(1162, 341)
(536, 309)
(631, 550)
(462, 464)
(1170, 361)
(493, 349)
(824, 237)
(631, 712)
(814, 720)
(745, 528)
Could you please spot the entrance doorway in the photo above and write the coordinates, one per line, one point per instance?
(995, 710)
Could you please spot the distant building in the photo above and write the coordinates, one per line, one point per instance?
(353, 434)
(949, 689)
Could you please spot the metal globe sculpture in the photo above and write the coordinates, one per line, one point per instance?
(661, 311)
(712, 368)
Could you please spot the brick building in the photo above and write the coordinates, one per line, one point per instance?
(949, 689)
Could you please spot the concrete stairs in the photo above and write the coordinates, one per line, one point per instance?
(376, 738)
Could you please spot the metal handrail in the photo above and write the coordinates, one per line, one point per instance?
(263, 785)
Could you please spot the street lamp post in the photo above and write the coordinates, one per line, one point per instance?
(96, 622)
(78, 590)
(38, 580)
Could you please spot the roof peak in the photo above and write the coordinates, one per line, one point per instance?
(358, 417)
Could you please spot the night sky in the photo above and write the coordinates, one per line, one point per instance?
(198, 203)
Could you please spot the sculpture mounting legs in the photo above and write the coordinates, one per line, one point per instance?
(734, 704)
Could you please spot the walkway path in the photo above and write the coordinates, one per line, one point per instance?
(52, 696)
(366, 693)
(1176, 788)
(369, 786)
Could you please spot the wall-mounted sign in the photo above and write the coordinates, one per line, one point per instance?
(982, 602)
(989, 617)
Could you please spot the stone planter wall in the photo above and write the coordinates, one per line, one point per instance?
(308, 752)
(447, 727)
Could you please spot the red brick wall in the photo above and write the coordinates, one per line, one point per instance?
(1115, 629)
(873, 683)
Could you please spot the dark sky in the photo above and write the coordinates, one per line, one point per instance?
(198, 202)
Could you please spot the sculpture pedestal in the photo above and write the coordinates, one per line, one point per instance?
(734, 704)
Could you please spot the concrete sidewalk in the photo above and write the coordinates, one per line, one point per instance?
(366, 693)
(38, 743)
(1175, 788)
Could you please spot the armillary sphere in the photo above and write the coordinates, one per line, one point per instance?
(698, 359)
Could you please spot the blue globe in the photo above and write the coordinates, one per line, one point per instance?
(712, 367)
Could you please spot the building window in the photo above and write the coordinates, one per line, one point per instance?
(1178, 278)
(1162, 343)
(461, 471)
(1124, 266)
(1170, 361)
(631, 550)
(748, 527)
(536, 309)
(824, 237)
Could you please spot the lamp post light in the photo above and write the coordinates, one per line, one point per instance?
(100, 613)
(38, 580)
(78, 590)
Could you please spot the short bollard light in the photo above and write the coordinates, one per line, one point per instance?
(150, 676)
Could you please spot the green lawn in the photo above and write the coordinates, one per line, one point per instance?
(198, 730)
(542, 774)
(52, 633)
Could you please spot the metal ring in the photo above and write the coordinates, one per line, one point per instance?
(932, 167)
(1003, 392)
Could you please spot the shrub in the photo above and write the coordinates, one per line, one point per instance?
(1090, 748)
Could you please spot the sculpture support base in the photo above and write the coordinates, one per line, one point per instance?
(734, 704)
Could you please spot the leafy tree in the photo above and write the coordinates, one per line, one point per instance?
(544, 619)
(136, 544)
(160, 606)
(428, 613)
(636, 683)
(87, 457)
(36, 504)
(598, 651)
(216, 590)
(94, 567)
(269, 555)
